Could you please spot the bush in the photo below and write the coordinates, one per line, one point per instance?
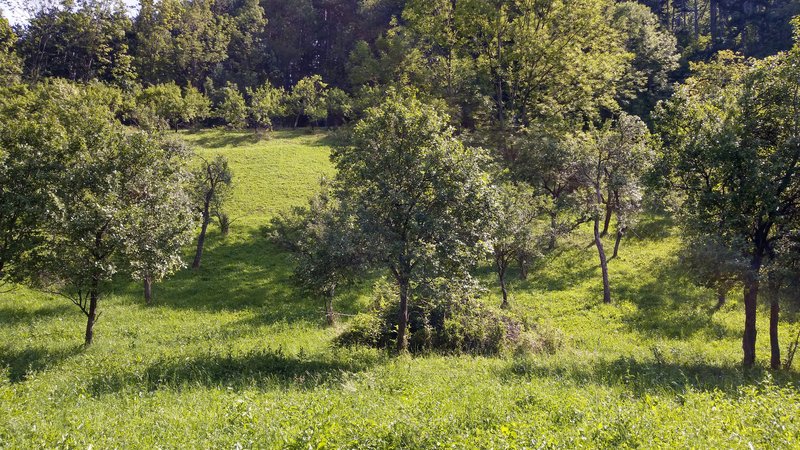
(444, 319)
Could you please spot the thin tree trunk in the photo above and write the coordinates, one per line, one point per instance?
(202, 238)
(297, 121)
(330, 315)
(91, 317)
(402, 337)
(603, 262)
(501, 275)
(553, 230)
(148, 290)
(713, 9)
(750, 308)
(774, 344)
(607, 221)
(722, 297)
(620, 234)
(522, 259)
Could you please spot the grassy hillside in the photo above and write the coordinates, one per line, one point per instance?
(232, 355)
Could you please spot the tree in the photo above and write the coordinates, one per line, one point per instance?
(25, 172)
(103, 177)
(232, 107)
(196, 106)
(712, 265)
(339, 106)
(212, 181)
(647, 78)
(180, 41)
(515, 211)
(266, 103)
(162, 219)
(612, 161)
(551, 166)
(732, 133)
(10, 62)
(160, 106)
(326, 243)
(80, 41)
(308, 99)
(418, 193)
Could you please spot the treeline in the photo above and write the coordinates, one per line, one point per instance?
(209, 45)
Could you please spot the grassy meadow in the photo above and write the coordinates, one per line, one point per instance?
(233, 355)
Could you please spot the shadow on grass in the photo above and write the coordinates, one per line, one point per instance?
(216, 139)
(263, 368)
(645, 377)
(243, 272)
(670, 306)
(20, 364)
(221, 139)
(11, 315)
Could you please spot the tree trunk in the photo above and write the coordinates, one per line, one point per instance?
(330, 315)
(522, 259)
(91, 316)
(402, 322)
(553, 231)
(297, 121)
(620, 234)
(603, 262)
(714, 23)
(607, 221)
(148, 290)
(722, 297)
(202, 238)
(501, 275)
(750, 307)
(774, 343)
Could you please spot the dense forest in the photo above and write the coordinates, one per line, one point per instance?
(471, 132)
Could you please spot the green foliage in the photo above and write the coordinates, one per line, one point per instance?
(324, 239)
(10, 62)
(446, 318)
(234, 353)
(114, 200)
(655, 57)
(160, 107)
(266, 103)
(79, 41)
(180, 41)
(308, 99)
(232, 107)
(400, 172)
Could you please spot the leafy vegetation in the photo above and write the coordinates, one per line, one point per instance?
(344, 299)
(234, 353)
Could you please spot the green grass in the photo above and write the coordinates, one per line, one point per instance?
(234, 355)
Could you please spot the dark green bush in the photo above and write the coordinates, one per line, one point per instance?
(443, 318)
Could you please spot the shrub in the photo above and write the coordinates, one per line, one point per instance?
(445, 318)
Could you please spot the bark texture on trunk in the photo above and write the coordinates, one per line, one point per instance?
(203, 229)
(553, 231)
(603, 262)
(750, 308)
(91, 316)
(722, 297)
(774, 343)
(607, 220)
(148, 290)
(402, 327)
(620, 234)
(330, 314)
